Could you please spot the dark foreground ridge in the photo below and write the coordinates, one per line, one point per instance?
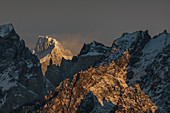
(21, 79)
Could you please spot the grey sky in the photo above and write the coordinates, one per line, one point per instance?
(75, 22)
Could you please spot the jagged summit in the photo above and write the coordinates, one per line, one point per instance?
(48, 47)
(46, 42)
(45, 45)
(133, 41)
(6, 29)
(93, 48)
(21, 80)
(128, 38)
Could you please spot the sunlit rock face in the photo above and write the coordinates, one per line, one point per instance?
(48, 48)
(149, 64)
(21, 79)
(90, 55)
(104, 82)
(148, 67)
(133, 100)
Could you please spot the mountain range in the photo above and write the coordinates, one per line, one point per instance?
(130, 76)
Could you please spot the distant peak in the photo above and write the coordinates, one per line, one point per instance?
(93, 48)
(46, 38)
(41, 36)
(95, 43)
(5, 29)
(45, 42)
(92, 44)
(135, 33)
(49, 40)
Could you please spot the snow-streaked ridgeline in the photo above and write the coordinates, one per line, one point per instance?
(132, 75)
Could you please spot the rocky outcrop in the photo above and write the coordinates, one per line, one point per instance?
(104, 82)
(21, 79)
(48, 48)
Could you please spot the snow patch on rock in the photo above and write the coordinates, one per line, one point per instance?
(5, 79)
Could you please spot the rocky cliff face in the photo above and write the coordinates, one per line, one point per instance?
(105, 82)
(21, 79)
(48, 48)
(133, 100)
(90, 55)
(149, 64)
(148, 67)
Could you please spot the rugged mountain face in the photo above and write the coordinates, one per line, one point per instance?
(21, 79)
(148, 67)
(133, 100)
(90, 55)
(112, 79)
(48, 48)
(104, 82)
(149, 64)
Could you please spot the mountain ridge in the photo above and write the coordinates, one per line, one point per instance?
(141, 57)
(148, 65)
(111, 77)
(21, 79)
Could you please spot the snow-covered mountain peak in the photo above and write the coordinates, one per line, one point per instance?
(131, 37)
(48, 39)
(93, 48)
(6, 29)
(48, 45)
(46, 42)
(49, 48)
(133, 41)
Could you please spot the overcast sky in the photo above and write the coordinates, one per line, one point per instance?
(82, 21)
